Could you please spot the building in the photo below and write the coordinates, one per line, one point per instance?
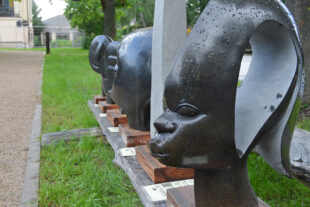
(61, 31)
(16, 24)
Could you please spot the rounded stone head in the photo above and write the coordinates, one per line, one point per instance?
(210, 123)
(132, 85)
(103, 58)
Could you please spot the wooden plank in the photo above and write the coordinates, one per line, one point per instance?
(130, 165)
(184, 197)
(158, 172)
(104, 106)
(116, 118)
(70, 135)
(99, 98)
(133, 137)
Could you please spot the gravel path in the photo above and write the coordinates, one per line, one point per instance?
(20, 74)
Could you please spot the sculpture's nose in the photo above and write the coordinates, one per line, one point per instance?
(163, 126)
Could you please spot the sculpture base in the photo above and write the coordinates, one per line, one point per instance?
(104, 107)
(99, 98)
(133, 137)
(184, 197)
(158, 172)
(116, 118)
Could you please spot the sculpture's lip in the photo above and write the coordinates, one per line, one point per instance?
(160, 156)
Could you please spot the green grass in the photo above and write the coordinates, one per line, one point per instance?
(23, 49)
(61, 43)
(274, 188)
(77, 173)
(82, 173)
(68, 82)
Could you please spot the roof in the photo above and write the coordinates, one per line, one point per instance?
(59, 20)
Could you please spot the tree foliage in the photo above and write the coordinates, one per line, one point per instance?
(91, 16)
(194, 9)
(134, 14)
(36, 19)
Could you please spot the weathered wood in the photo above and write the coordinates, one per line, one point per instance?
(158, 172)
(70, 135)
(133, 137)
(104, 106)
(184, 197)
(99, 98)
(130, 165)
(116, 118)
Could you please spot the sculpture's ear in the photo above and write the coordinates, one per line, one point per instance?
(96, 51)
(268, 88)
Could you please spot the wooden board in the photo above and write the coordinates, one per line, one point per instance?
(116, 118)
(184, 197)
(158, 172)
(99, 98)
(137, 175)
(133, 137)
(70, 135)
(104, 107)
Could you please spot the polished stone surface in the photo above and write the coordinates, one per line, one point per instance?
(211, 124)
(132, 85)
(169, 33)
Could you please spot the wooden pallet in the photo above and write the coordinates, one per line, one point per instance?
(99, 98)
(116, 118)
(104, 106)
(133, 137)
(158, 172)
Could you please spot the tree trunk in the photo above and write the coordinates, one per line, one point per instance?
(301, 11)
(108, 8)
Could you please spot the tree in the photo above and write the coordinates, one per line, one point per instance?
(108, 8)
(36, 20)
(194, 9)
(301, 11)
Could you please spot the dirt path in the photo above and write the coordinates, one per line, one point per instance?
(20, 74)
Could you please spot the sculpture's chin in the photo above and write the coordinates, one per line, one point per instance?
(160, 156)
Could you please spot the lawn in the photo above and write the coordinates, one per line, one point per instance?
(82, 173)
(78, 173)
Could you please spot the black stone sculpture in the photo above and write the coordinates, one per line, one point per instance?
(132, 85)
(103, 58)
(210, 124)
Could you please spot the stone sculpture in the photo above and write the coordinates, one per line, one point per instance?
(103, 58)
(132, 85)
(169, 33)
(210, 124)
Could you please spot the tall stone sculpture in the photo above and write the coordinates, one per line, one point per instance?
(210, 124)
(132, 85)
(102, 58)
(169, 33)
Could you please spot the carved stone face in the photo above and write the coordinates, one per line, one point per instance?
(103, 58)
(209, 124)
(110, 60)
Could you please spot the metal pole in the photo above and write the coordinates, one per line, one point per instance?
(47, 42)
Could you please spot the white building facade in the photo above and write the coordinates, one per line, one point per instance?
(16, 24)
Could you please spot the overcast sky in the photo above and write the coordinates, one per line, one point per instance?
(50, 10)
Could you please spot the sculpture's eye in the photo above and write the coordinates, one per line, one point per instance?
(186, 109)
